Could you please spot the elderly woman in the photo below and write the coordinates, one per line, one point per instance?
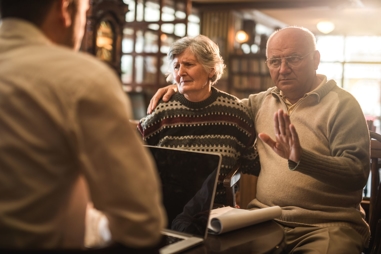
(200, 117)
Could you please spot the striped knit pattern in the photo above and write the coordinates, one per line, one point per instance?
(220, 124)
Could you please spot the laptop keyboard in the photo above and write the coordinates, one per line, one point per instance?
(172, 239)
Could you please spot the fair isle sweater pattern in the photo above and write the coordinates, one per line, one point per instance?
(219, 124)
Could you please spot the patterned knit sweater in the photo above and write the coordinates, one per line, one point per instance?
(220, 124)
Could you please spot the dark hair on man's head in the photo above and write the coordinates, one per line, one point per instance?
(34, 11)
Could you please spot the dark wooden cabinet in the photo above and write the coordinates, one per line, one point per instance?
(104, 31)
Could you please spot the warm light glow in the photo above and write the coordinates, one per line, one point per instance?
(104, 42)
(241, 36)
(163, 37)
(325, 27)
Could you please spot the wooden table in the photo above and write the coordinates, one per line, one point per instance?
(266, 237)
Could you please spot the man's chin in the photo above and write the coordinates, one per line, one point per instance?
(286, 83)
(286, 87)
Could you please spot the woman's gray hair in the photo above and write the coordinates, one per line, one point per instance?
(206, 52)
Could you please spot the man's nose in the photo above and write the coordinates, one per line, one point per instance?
(284, 66)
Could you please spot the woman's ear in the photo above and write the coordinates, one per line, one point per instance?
(212, 73)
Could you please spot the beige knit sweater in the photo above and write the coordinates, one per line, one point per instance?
(326, 188)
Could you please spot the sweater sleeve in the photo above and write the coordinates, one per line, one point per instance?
(347, 165)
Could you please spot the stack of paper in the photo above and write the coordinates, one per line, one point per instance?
(226, 219)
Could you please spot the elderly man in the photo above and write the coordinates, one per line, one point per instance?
(65, 118)
(315, 161)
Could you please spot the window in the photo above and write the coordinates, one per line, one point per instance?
(151, 26)
(354, 63)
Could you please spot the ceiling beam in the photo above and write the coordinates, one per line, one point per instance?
(263, 4)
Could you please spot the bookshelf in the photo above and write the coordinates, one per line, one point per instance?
(248, 74)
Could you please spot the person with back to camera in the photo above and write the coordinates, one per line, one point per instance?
(64, 139)
(315, 161)
(200, 117)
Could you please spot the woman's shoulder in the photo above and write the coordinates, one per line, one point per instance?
(226, 95)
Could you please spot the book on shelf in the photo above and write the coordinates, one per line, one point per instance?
(255, 83)
(237, 81)
(268, 83)
(263, 67)
(226, 219)
(235, 65)
(243, 65)
(254, 64)
(244, 82)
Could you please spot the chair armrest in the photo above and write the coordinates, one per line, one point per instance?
(374, 135)
(229, 182)
(232, 177)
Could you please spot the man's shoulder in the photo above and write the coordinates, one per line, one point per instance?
(79, 59)
(77, 65)
(258, 98)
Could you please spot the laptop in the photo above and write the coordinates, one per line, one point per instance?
(188, 181)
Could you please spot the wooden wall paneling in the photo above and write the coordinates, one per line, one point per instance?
(219, 27)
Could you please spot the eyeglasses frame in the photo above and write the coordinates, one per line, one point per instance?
(286, 57)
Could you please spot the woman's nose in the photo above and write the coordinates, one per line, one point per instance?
(181, 70)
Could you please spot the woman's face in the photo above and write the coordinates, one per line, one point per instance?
(191, 78)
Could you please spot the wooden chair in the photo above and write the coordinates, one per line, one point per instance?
(374, 210)
(230, 183)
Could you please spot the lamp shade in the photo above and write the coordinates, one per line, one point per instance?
(241, 36)
(325, 27)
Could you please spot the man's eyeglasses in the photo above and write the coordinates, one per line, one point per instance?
(292, 61)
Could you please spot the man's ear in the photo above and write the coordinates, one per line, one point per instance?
(65, 11)
(316, 59)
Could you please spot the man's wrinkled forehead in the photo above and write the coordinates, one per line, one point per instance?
(287, 42)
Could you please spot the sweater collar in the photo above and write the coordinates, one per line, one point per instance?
(322, 90)
(200, 104)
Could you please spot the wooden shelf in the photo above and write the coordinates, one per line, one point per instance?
(248, 74)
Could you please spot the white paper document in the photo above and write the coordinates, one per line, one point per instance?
(226, 219)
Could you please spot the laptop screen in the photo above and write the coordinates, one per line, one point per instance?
(188, 185)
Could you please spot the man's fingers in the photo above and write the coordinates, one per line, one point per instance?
(266, 139)
(171, 91)
(287, 123)
(296, 149)
(155, 99)
(276, 123)
(294, 134)
(281, 122)
(165, 93)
